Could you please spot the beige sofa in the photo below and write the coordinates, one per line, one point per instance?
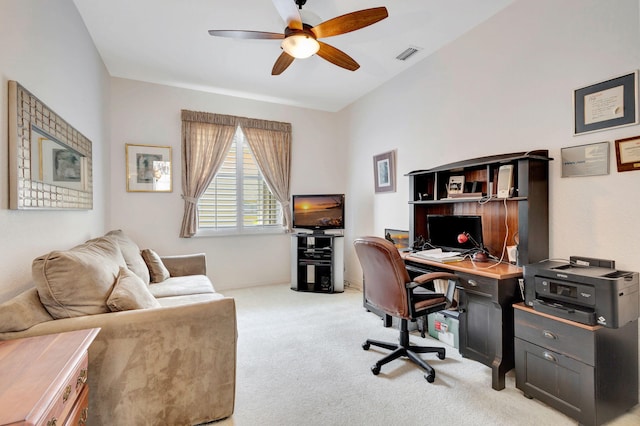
(166, 352)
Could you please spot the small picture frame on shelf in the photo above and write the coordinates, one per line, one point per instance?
(399, 238)
(456, 185)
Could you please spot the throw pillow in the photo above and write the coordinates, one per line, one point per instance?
(22, 312)
(130, 292)
(78, 281)
(157, 270)
(131, 254)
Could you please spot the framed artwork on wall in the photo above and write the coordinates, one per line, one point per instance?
(148, 168)
(384, 171)
(628, 154)
(50, 165)
(608, 104)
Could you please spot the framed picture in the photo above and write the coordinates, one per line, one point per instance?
(50, 165)
(628, 154)
(585, 160)
(456, 185)
(399, 238)
(148, 168)
(611, 103)
(57, 164)
(384, 171)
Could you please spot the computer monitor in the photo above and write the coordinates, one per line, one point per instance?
(443, 231)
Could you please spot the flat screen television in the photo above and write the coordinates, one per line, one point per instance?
(318, 212)
(443, 231)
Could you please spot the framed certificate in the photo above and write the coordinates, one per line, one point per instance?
(628, 154)
(611, 103)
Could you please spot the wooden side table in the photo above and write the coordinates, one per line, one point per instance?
(44, 379)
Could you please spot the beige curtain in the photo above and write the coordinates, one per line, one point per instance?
(271, 145)
(206, 139)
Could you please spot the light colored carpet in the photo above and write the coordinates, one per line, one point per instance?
(300, 362)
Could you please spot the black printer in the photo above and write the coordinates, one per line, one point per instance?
(585, 290)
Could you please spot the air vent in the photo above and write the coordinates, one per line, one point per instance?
(408, 53)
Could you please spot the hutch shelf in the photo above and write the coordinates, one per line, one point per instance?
(520, 219)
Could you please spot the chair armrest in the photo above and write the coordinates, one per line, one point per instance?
(186, 264)
(426, 278)
(423, 279)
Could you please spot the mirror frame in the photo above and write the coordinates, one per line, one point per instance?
(26, 111)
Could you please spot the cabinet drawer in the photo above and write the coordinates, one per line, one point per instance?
(68, 393)
(480, 285)
(557, 380)
(572, 341)
(80, 412)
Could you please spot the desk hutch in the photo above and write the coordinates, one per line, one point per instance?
(487, 290)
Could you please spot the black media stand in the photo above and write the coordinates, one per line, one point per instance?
(317, 262)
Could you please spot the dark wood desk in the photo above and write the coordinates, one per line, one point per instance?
(487, 292)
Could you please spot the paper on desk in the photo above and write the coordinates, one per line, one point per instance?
(438, 255)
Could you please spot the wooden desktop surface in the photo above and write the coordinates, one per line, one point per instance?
(490, 269)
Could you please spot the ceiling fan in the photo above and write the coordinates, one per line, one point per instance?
(300, 40)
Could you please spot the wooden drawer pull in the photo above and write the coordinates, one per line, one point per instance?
(549, 357)
(83, 417)
(67, 392)
(82, 378)
(52, 422)
(549, 335)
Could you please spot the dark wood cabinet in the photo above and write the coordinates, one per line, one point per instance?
(587, 372)
(488, 291)
(486, 299)
(521, 219)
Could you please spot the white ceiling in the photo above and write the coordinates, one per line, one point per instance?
(166, 42)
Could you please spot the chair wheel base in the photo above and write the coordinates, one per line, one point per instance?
(430, 377)
(366, 346)
(375, 370)
(441, 354)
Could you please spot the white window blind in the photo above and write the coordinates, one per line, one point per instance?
(238, 198)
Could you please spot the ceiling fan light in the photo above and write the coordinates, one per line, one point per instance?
(300, 46)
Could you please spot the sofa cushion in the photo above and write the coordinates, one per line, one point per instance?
(130, 292)
(22, 312)
(188, 299)
(157, 270)
(131, 253)
(78, 281)
(182, 286)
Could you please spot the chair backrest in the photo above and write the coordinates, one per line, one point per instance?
(385, 275)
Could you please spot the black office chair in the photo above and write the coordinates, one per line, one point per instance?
(387, 286)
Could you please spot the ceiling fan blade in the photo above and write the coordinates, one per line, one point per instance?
(246, 34)
(337, 57)
(282, 63)
(288, 10)
(350, 22)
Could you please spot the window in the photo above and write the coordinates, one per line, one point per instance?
(238, 199)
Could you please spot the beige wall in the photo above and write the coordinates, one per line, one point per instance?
(507, 86)
(149, 114)
(44, 46)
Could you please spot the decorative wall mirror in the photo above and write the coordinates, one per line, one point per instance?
(49, 161)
